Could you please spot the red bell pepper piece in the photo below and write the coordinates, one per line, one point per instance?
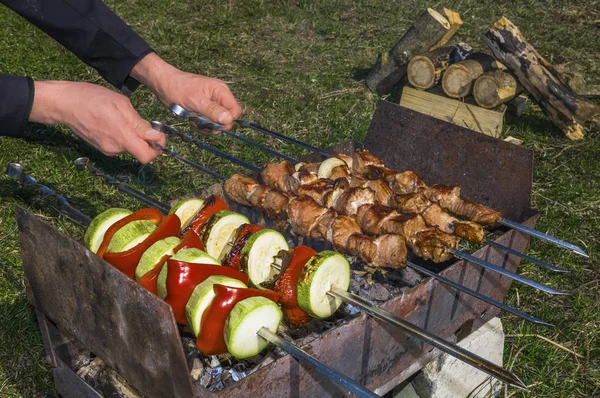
(287, 285)
(242, 235)
(128, 260)
(183, 277)
(212, 205)
(189, 240)
(149, 214)
(210, 341)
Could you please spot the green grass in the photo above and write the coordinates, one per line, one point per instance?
(292, 67)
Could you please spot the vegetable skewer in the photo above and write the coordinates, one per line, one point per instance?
(263, 332)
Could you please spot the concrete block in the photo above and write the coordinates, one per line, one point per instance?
(447, 377)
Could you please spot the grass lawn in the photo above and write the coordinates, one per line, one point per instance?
(292, 65)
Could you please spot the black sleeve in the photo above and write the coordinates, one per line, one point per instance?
(90, 30)
(16, 98)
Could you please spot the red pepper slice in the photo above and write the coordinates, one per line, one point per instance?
(287, 285)
(242, 235)
(149, 214)
(210, 341)
(183, 277)
(188, 241)
(212, 205)
(128, 260)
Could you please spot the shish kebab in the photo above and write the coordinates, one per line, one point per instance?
(203, 125)
(430, 243)
(465, 229)
(17, 172)
(83, 164)
(339, 293)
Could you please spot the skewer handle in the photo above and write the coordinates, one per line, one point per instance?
(319, 366)
(449, 348)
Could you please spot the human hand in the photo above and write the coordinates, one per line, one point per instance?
(101, 117)
(208, 97)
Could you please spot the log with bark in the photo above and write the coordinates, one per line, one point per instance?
(459, 77)
(492, 89)
(557, 99)
(455, 22)
(428, 31)
(425, 70)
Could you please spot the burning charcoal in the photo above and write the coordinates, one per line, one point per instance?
(239, 371)
(376, 292)
(214, 362)
(197, 369)
(380, 276)
(354, 286)
(227, 379)
(206, 377)
(190, 350)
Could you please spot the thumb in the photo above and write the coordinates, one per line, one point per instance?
(215, 112)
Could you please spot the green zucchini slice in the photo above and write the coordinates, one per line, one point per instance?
(130, 235)
(245, 320)
(320, 272)
(186, 210)
(259, 253)
(100, 224)
(154, 253)
(219, 231)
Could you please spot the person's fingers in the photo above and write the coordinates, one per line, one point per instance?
(215, 112)
(141, 150)
(226, 99)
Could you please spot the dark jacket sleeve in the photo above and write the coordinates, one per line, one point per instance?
(16, 98)
(90, 30)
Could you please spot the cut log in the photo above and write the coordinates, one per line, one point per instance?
(450, 110)
(495, 88)
(455, 22)
(459, 78)
(425, 70)
(426, 32)
(550, 90)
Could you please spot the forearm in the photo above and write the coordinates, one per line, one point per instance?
(151, 71)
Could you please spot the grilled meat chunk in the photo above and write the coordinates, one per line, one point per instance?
(304, 177)
(340, 230)
(433, 244)
(361, 160)
(248, 192)
(405, 182)
(383, 251)
(469, 230)
(280, 176)
(238, 188)
(437, 217)
(349, 201)
(383, 193)
(317, 190)
(341, 171)
(411, 202)
(449, 198)
(323, 225)
(303, 213)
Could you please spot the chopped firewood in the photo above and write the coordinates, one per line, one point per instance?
(560, 103)
(495, 88)
(425, 70)
(459, 77)
(455, 23)
(427, 32)
(450, 110)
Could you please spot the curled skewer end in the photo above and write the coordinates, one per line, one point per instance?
(82, 164)
(16, 171)
(179, 111)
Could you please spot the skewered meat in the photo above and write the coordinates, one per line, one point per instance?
(434, 244)
(317, 190)
(247, 191)
(349, 201)
(340, 171)
(362, 160)
(304, 213)
(384, 249)
(340, 231)
(404, 182)
(280, 176)
(449, 198)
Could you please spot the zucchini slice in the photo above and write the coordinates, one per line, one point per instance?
(154, 253)
(320, 272)
(245, 320)
(219, 231)
(327, 166)
(259, 253)
(130, 235)
(188, 255)
(202, 296)
(186, 210)
(100, 224)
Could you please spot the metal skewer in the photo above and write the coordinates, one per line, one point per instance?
(201, 123)
(526, 257)
(319, 366)
(16, 171)
(165, 129)
(478, 295)
(83, 164)
(502, 271)
(452, 349)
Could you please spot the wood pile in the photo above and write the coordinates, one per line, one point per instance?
(487, 79)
